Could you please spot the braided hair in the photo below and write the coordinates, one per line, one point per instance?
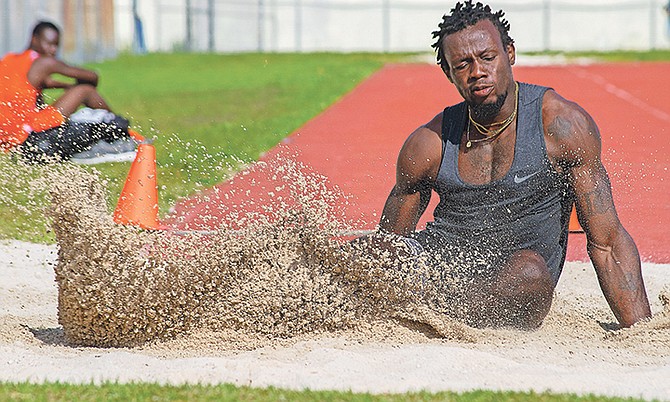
(468, 14)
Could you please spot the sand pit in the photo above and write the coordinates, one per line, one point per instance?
(572, 352)
(273, 304)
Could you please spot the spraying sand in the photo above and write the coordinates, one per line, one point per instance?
(280, 301)
(282, 275)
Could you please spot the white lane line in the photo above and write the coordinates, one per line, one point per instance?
(622, 93)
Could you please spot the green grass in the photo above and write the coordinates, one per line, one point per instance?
(226, 392)
(206, 112)
(204, 108)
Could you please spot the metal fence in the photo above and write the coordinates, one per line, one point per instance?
(97, 29)
(389, 25)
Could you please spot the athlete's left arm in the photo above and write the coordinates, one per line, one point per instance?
(40, 74)
(573, 141)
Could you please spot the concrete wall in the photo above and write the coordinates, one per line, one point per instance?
(98, 29)
(386, 25)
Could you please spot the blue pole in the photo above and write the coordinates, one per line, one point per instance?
(139, 46)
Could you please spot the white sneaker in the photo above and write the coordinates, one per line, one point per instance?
(121, 150)
(88, 115)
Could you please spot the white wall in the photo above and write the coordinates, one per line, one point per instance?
(406, 25)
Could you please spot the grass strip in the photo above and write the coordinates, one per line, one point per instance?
(227, 392)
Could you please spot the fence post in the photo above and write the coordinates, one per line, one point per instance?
(546, 31)
(653, 12)
(189, 22)
(158, 15)
(79, 29)
(261, 17)
(386, 25)
(139, 47)
(210, 25)
(7, 46)
(298, 25)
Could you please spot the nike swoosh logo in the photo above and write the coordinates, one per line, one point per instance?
(520, 179)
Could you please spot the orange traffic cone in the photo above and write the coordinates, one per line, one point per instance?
(138, 202)
(574, 226)
(135, 135)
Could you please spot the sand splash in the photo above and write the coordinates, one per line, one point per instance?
(281, 276)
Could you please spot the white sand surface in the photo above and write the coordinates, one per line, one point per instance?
(33, 348)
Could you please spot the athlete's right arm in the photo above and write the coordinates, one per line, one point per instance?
(416, 169)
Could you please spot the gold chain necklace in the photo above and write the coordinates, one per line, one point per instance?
(486, 131)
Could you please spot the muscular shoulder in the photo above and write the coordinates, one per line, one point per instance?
(570, 132)
(421, 153)
(47, 63)
(44, 66)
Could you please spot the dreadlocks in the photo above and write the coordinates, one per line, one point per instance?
(467, 14)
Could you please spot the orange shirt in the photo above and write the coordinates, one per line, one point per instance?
(19, 113)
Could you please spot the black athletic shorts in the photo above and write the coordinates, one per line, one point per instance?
(60, 143)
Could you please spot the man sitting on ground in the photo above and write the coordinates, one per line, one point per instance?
(45, 132)
(508, 163)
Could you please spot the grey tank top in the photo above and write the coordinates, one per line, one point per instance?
(528, 208)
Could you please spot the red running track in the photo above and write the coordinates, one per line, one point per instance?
(354, 143)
